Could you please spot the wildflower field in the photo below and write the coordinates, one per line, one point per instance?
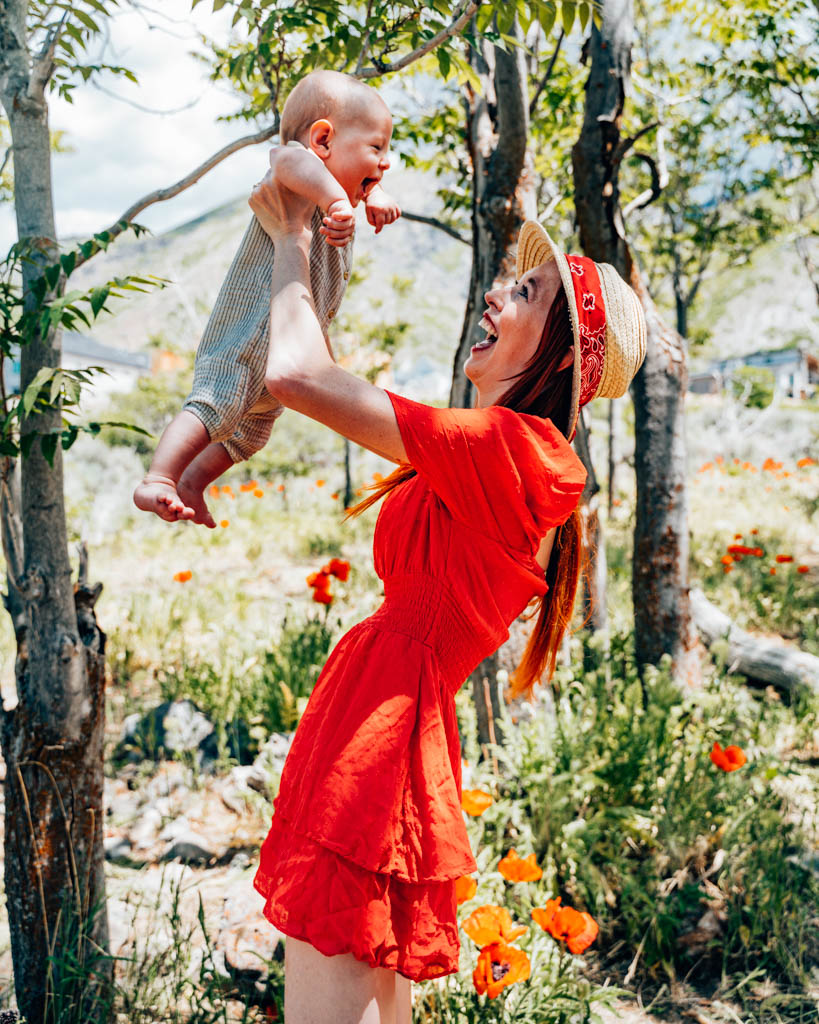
(639, 850)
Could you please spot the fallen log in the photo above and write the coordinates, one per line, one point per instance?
(753, 656)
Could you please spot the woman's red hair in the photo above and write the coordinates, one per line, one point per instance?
(540, 389)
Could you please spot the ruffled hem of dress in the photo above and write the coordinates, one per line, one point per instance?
(317, 896)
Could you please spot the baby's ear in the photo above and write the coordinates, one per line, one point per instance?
(321, 137)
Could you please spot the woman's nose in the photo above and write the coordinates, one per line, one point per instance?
(494, 298)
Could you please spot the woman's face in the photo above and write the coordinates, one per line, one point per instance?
(514, 323)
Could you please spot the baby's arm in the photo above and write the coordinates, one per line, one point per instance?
(304, 173)
(381, 208)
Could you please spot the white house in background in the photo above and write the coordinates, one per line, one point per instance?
(80, 350)
(795, 370)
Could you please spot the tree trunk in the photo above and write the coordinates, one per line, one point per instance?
(348, 476)
(486, 693)
(502, 185)
(52, 740)
(497, 124)
(662, 617)
(754, 656)
(614, 455)
(595, 612)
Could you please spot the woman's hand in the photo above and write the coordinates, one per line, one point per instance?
(280, 211)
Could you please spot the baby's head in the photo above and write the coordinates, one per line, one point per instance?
(346, 123)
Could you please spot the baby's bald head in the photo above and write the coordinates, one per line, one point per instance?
(326, 94)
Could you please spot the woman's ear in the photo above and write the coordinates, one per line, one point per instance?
(321, 137)
(567, 360)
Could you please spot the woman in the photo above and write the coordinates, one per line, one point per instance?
(368, 837)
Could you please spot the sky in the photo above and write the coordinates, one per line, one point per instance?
(120, 153)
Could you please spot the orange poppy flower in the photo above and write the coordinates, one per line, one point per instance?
(490, 924)
(803, 569)
(705, 467)
(250, 485)
(772, 571)
(320, 483)
(258, 493)
(228, 490)
(213, 491)
(224, 523)
(802, 463)
(770, 466)
(574, 927)
(475, 801)
(338, 567)
(499, 965)
(754, 531)
(729, 759)
(322, 596)
(182, 577)
(280, 487)
(515, 869)
(784, 558)
(465, 888)
(334, 495)
(320, 580)
(726, 559)
(737, 536)
(728, 568)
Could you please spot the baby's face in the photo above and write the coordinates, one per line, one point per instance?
(359, 153)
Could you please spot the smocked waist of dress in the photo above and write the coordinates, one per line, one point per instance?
(422, 607)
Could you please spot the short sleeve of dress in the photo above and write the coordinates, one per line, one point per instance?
(510, 476)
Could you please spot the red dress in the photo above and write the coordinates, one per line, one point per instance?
(368, 835)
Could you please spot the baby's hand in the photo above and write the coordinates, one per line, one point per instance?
(339, 224)
(381, 208)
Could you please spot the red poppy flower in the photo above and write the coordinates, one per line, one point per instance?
(729, 759)
(574, 927)
(339, 568)
(784, 558)
(320, 580)
(465, 888)
(515, 869)
(498, 966)
(322, 596)
(803, 569)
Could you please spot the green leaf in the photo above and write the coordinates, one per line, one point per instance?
(48, 444)
(68, 261)
(548, 14)
(8, 447)
(583, 11)
(444, 62)
(567, 13)
(52, 275)
(44, 374)
(98, 297)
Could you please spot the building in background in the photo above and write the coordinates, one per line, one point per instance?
(795, 372)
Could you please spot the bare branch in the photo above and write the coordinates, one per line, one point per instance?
(366, 44)
(160, 195)
(624, 145)
(6, 158)
(547, 74)
(659, 174)
(44, 62)
(384, 68)
(435, 223)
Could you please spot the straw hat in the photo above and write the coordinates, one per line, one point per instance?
(607, 319)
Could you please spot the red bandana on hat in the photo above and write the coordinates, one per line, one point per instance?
(591, 314)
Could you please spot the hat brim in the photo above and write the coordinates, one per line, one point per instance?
(534, 249)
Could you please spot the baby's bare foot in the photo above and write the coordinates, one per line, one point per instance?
(194, 498)
(161, 497)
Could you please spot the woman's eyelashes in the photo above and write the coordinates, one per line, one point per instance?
(523, 291)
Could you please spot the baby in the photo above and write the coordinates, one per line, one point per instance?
(338, 131)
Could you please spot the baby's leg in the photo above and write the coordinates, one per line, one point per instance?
(205, 468)
(182, 441)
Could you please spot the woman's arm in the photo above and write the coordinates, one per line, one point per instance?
(300, 371)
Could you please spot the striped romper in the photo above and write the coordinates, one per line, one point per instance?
(228, 394)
